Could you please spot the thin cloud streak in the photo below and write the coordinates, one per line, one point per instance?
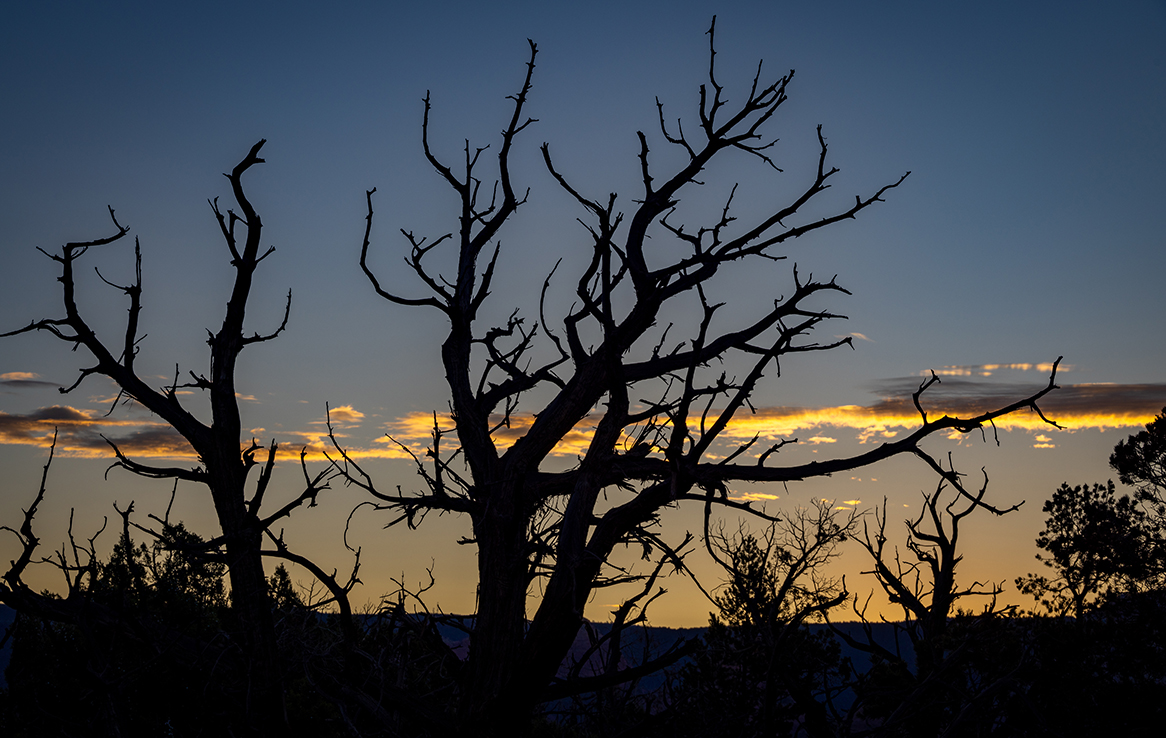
(987, 370)
(859, 336)
(24, 380)
(82, 434)
(17, 376)
(1075, 407)
(81, 431)
(416, 431)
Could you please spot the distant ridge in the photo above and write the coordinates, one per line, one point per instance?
(659, 637)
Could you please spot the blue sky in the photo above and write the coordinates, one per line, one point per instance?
(1030, 226)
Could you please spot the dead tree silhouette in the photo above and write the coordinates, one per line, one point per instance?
(226, 459)
(547, 535)
(935, 691)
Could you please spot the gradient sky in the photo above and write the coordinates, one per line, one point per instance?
(1030, 228)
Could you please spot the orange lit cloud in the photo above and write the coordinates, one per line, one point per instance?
(815, 440)
(416, 431)
(24, 380)
(753, 497)
(80, 433)
(987, 370)
(1043, 441)
(1076, 407)
(345, 414)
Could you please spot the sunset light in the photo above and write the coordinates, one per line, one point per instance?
(666, 369)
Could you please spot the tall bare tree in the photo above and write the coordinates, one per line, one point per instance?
(534, 523)
(936, 691)
(226, 459)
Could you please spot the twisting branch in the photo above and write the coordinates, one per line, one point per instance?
(255, 337)
(338, 591)
(26, 536)
(313, 486)
(153, 472)
(412, 507)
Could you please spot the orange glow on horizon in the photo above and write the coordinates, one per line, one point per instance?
(81, 430)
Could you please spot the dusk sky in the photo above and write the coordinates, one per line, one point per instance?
(1031, 227)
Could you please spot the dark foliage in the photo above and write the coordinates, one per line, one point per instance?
(161, 661)
(112, 674)
(761, 671)
(1140, 461)
(1099, 545)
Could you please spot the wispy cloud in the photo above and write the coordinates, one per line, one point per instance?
(753, 497)
(346, 414)
(24, 380)
(987, 370)
(1043, 441)
(80, 433)
(815, 440)
(1075, 406)
(416, 430)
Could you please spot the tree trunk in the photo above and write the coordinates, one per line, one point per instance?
(493, 703)
(250, 605)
